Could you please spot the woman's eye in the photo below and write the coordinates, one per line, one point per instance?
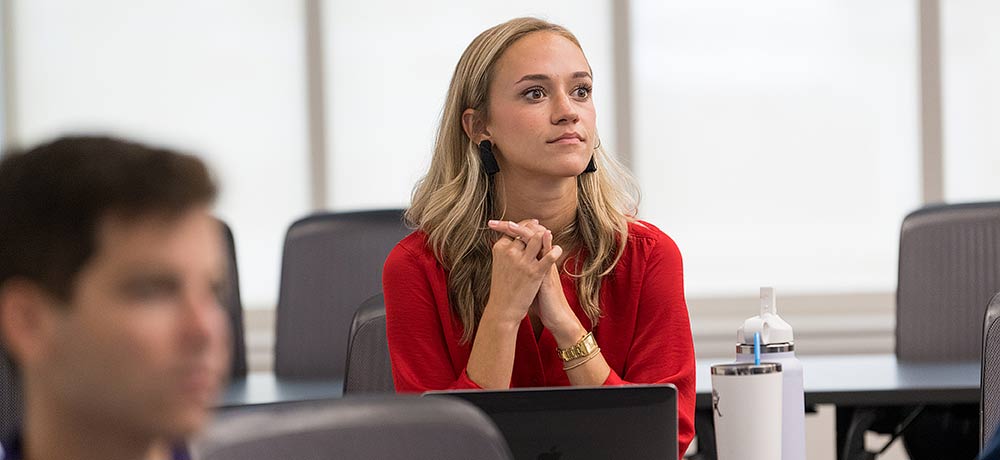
(534, 93)
(582, 92)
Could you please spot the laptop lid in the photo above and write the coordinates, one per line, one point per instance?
(637, 422)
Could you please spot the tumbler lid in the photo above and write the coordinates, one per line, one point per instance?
(771, 327)
(747, 348)
(746, 369)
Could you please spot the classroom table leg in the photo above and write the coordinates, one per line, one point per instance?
(704, 428)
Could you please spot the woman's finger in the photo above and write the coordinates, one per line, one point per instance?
(553, 255)
(524, 230)
(506, 227)
(534, 245)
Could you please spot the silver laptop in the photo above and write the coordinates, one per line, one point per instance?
(636, 422)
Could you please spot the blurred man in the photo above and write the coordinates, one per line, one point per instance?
(110, 270)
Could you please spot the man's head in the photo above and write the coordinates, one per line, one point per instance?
(110, 267)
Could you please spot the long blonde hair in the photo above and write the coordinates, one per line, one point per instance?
(452, 203)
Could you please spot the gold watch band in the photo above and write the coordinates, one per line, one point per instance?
(584, 347)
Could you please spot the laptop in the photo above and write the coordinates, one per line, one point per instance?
(637, 422)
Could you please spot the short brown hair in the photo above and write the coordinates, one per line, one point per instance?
(54, 196)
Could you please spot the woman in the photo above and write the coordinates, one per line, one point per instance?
(528, 268)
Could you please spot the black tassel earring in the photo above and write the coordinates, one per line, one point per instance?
(592, 167)
(486, 157)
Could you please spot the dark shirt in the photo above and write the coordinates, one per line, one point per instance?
(12, 450)
(991, 451)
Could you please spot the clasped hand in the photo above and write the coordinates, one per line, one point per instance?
(525, 278)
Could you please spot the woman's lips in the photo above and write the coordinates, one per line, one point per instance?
(567, 138)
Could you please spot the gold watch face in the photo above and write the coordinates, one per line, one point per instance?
(584, 347)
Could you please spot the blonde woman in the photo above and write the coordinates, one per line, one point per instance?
(528, 267)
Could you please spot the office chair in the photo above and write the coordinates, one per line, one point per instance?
(989, 408)
(368, 369)
(949, 267)
(233, 303)
(331, 263)
(365, 427)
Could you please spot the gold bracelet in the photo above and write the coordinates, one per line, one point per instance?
(585, 360)
(584, 347)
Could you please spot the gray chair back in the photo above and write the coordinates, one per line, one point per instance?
(362, 428)
(949, 267)
(331, 263)
(368, 367)
(233, 303)
(989, 408)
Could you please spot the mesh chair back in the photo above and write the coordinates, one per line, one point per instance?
(386, 427)
(949, 267)
(10, 398)
(331, 263)
(233, 303)
(990, 380)
(368, 368)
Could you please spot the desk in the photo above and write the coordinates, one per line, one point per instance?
(846, 381)
(863, 380)
(265, 388)
(853, 381)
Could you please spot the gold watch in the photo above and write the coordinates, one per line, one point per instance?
(584, 347)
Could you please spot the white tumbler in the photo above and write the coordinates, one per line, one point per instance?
(746, 406)
(793, 406)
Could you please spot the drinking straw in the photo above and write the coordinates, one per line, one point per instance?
(756, 348)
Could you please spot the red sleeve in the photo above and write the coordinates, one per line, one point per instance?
(418, 348)
(663, 350)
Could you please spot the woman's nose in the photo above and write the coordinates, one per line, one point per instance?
(563, 110)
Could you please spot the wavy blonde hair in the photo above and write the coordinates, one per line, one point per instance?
(452, 203)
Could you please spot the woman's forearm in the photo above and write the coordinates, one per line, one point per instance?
(491, 361)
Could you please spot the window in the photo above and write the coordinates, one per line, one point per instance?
(221, 79)
(777, 141)
(387, 75)
(970, 44)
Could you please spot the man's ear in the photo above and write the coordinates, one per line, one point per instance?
(26, 320)
(474, 125)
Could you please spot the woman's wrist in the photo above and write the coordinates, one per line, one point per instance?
(559, 318)
(504, 319)
(568, 335)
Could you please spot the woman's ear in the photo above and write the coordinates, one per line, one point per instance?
(474, 125)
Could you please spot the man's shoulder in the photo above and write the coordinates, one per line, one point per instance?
(10, 448)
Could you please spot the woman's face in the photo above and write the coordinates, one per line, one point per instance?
(541, 117)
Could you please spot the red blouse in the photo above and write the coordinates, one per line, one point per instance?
(644, 332)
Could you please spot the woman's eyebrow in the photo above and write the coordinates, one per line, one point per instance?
(543, 77)
(533, 77)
